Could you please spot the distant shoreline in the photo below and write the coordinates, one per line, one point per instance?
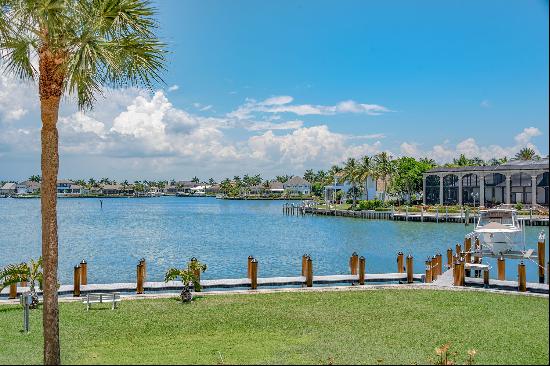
(169, 195)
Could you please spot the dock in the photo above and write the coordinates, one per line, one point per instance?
(131, 287)
(425, 216)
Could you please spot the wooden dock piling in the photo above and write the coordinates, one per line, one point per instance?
(428, 270)
(541, 254)
(13, 291)
(362, 270)
(439, 257)
(354, 263)
(249, 267)
(461, 272)
(140, 274)
(304, 265)
(254, 274)
(76, 278)
(433, 262)
(522, 279)
(409, 269)
(400, 266)
(144, 269)
(309, 274)
(456, 277)
(449, 258)
(501, 268)
(83, 273)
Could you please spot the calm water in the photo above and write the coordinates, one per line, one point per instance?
(167, 231)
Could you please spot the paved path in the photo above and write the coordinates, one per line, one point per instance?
(445, 280)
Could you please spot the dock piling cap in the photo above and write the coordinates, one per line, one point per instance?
(83, 262)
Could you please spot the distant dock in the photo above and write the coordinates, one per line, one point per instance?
(437, 217)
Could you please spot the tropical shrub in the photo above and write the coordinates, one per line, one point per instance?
(371, 204)
(189, 275)
(24, 272)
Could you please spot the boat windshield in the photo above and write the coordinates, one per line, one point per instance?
(501, 217)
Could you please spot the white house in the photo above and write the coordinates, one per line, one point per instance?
(368, 191)
(297, 185)
(28, 187)
(64, 186)
(276, 187)
(8, 188)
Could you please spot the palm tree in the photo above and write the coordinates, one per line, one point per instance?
(384, 169)
(35, 178)
(189, 275)
(527, 154)
(25, 272)
(309, 175)
(80, 45)
(351, 174)
(367, 168)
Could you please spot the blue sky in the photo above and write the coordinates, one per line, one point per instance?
(426, 78)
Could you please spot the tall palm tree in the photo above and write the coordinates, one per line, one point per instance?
(81, 46)
(367, 168)
(384, 169)
(351, 174)
(527, 154)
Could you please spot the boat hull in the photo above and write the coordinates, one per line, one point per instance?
(500, 242)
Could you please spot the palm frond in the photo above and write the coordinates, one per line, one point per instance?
(12, 274)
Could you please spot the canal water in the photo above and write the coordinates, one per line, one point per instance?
(167, 231)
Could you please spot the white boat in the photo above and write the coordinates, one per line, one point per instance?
(499, 231)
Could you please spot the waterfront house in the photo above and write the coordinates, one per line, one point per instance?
(28, 187)
(8, 188)
(213, 189)
(77, 189)
(257, 189)
(154, 191)
(171, 188)
(186, 186)
(64, 186)
(111, 189)
(515, 182)
(371, 189)
(297, 186)
(276, 187)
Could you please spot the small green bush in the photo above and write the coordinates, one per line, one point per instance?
(371, 204)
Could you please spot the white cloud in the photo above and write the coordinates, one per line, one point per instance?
(526, 135)
(444, 153)
(17, 98)
(288, 125)
(409, 149)
(132, 130)
(367, 137)
(173, 88)
(281, 104)
(279, 100)
(315, 145)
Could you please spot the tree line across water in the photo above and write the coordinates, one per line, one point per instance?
(401, 177)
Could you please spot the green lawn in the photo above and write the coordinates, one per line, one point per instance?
(384, 326)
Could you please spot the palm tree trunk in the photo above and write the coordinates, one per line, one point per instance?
(50, 167)
(50, 87)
